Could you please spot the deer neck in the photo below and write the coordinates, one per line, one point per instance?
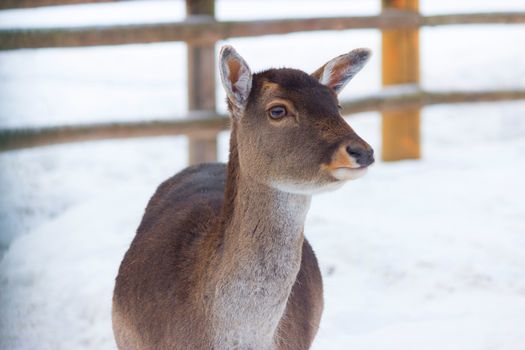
(262, 238)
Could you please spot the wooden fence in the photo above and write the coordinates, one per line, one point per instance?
(400, 101)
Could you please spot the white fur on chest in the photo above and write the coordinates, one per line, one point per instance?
(250, 302)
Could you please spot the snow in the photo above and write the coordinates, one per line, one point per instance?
(417, 254)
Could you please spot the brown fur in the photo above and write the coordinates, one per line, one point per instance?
(341, 159)
(200, 234)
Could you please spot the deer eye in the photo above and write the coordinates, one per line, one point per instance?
(277, 112)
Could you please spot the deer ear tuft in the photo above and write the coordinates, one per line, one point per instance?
(236, 76)
(337, 72)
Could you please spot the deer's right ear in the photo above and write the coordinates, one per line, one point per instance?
(236, 76)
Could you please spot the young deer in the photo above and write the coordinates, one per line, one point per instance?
(219, 260)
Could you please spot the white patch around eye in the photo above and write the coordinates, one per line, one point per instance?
(345, 174)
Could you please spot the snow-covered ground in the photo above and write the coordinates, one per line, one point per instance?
(422, 254)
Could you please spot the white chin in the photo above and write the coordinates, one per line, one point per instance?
(345, 174)
(307, 188)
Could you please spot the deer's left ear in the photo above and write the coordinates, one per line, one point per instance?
(337, 72)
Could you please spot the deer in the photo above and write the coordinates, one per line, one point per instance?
(219, 260)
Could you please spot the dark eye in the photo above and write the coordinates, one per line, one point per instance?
(277, 112)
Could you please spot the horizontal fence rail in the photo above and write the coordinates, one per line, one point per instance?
(19, 4)
(202, 124)
(206, 30)
(399, 22)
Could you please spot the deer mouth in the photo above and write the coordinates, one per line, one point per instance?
(349, 173)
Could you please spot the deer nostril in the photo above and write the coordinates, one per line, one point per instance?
(355, 152)
(362, 156)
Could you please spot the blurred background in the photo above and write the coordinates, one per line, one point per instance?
(101, 101)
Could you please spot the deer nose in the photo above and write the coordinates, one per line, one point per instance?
(364, 156)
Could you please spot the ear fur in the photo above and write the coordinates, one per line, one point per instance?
(236, 76)
(337, 72)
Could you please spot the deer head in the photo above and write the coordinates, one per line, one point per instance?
(287, 126)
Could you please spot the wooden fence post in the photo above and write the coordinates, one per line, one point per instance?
(400, 65)
(201, 85)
